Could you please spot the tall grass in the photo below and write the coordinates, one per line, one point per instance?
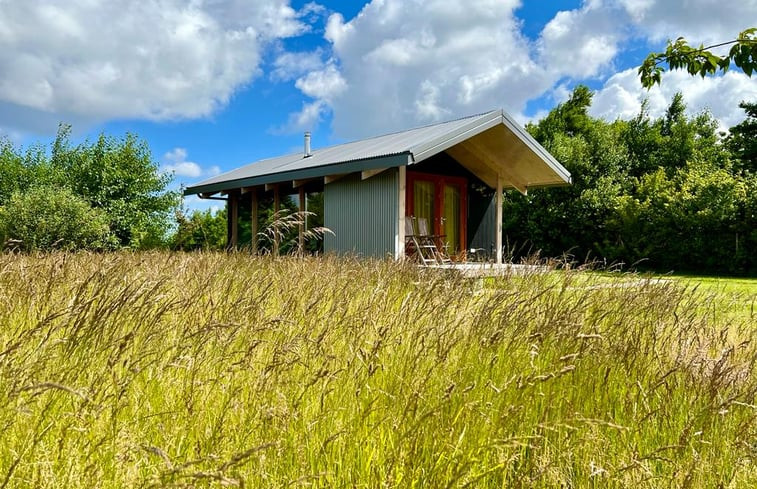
(214, 370)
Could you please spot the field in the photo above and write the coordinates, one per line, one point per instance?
(215, 370)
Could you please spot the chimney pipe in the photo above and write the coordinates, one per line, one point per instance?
(308, 154)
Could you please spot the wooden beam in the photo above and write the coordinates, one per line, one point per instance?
(271, 186)
(233, 221)
(254, 220)
(332, 178)
(399, 241)
(276, 208)
(300, 183)
(498, 227)
(365, 175)
(301, 230)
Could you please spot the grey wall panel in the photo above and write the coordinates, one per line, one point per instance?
(362, 214)
(482, 231)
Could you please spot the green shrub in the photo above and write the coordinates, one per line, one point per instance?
(47, 218)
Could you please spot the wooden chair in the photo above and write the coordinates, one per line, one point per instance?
(437, 240)
(421, 248)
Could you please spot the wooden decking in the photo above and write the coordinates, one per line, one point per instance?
(476, 270)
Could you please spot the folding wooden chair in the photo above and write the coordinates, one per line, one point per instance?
(433, 240)
(419, 247)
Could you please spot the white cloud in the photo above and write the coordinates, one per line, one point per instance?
(579, 43)
(622, 95)
(700, 21)
(157, 59)
(292, 65)
(403, 63)
(398, 63)
(175, 161)
(323, 85)
(409, 62)
(306, 119)
(326, 83)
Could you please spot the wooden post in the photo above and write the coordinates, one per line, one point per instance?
(301, 236)
(499, 204)
(276, 208)
(399, 243)
(254, 220)
(233, 220)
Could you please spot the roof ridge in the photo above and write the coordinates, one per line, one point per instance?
(405, 130)
(428, 125)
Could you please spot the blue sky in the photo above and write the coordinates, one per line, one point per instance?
(215, 84)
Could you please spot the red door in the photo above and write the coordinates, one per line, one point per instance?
(441, 200)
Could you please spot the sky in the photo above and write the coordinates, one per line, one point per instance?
(212, 85)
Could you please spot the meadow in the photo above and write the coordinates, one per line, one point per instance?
(223, 370)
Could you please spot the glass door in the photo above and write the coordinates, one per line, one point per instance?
(424, 204)
(451, 219)
(441, 201)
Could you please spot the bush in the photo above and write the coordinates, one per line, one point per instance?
(200, 230)
(46, 218)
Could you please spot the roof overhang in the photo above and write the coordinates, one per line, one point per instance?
(498, 153)
(353, 166)
(499, 148)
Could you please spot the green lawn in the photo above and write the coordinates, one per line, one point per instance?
(737, 297)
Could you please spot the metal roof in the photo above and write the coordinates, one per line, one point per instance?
(396, 149)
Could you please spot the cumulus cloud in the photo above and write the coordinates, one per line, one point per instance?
(291, 65)
(321, 84)
(175, 161)
(413, 62)
(403, 63)
(580, 43)
(622, 95)
(161, 59)
(396, 64)
(700, 21)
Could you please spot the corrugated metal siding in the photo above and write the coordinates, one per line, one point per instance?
(362, 214)
(482, 232)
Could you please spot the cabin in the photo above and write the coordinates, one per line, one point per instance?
(451, 175)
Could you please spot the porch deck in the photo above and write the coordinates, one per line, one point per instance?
(482, 269)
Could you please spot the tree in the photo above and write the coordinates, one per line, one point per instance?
(701, 61)
(119, 177)
(116, 177)
(661, 193)
(201, 230)
(45, 218)
(742, 140)
(571, 117)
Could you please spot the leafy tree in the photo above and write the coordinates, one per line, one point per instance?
(701, 61)
(742, 140)
(45, 218)
(115, 176)
(571, 219)
(13, 172)
(119, 177)
(201, 230)
(656, 192)
(674, 114)
(571, 117)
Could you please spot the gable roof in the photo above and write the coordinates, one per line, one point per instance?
(397, 149)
